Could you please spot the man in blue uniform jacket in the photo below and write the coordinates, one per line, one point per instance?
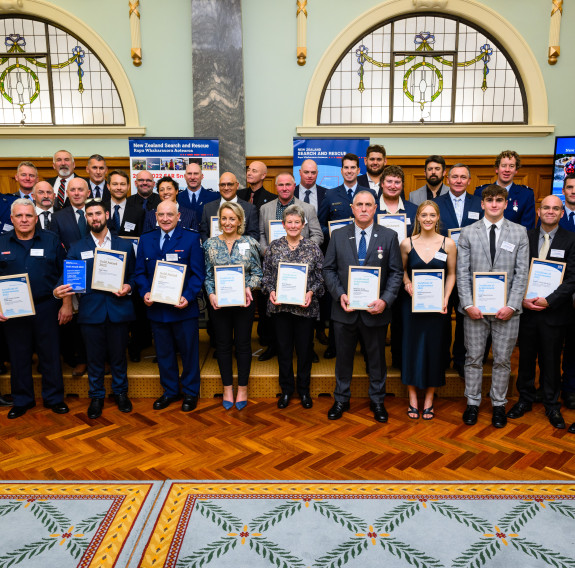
(103, 316)
(195, 196)
(173, 325)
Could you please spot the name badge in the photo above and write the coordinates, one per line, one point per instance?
(7, 227)
(87, 254)
(129, 226)
(407, 221)
(440, 256)
(243, 248)
(509, 247)
(172, 257)
(472, 215)
(36, 252)
(557, 253)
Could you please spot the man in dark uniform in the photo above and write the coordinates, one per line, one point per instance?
(144, 198)
(39, 253)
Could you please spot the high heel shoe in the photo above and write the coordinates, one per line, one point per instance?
(241, 404)
(227, 404)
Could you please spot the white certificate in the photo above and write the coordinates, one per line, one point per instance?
(230, 285)
(16, 296)
(291, 286)
(362, 286)
(108, 273)
(334, 225)
(428, 290)
(545, 276)
(454, 234)
(489, 291)
(168, 282)
(396, 223)
(276, 230)
(215, 226)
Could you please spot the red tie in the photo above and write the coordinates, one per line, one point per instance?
(62, 192)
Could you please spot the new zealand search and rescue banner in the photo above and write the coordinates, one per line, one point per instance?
(170, 157)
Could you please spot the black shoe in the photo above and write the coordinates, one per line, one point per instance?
(470, 414)
(556, 419)
(460, 370)
(499, 419)
(5, 401)
(379, 411)
(329, 353)
(306, 400)
(519, 410)
(123, 402)
(539, 395)
(572, 428)
(164, 401)
(95, 408)
(569, 400)
(321, 336)
(337, 410)
(283, 401)
(17, 411)
(58, 408)
(314, 357)
(189, 403)
(268, 354)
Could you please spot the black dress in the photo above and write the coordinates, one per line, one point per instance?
(423, 336)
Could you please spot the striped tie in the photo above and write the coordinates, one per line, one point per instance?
(62, 192)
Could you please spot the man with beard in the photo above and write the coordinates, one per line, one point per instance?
(103, 316)
(144, 198)
(375, 162)
(434, 186)
(64, 165)
(43, 195)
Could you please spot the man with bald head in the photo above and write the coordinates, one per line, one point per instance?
(256, 193)
(70, 223)
(64, 164)
(144, 198)
(44, 196)
(544, 320)
(195, 196)
(307, 190)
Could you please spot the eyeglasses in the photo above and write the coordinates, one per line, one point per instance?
(231, 184)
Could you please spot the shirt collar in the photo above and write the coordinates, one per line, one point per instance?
(550, 233)
(489, 223)
(107, 242)
(234, 200)
(170, 233)
(400, 206)
(353, 188)
(368, 230)
(39, 211)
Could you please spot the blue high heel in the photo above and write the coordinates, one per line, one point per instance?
(227, 404)
(241, 404)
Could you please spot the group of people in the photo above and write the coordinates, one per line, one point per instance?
(71, 217)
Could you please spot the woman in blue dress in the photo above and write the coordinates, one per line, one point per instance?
(423, 337)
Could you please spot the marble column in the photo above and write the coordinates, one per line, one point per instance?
(218, 78)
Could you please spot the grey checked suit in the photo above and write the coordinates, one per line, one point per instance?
(473, 256)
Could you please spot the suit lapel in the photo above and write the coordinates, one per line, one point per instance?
(372, 242)
(482, 236)
(451, 212)
(503, 237)
(351, 241)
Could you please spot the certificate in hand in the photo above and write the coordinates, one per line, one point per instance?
(454, 234)
(230, 285)
(545, 276)
(168, 282)
(428, 290)
(109, 267)
(215, 226)
(291, 286)
(276, 230)
(75, 275)
(16, 296)
(362, 286)
(395, 222)
(489, 291)
(334, 225)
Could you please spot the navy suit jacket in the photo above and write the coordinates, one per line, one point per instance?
(65, 225)
(321, 191)
(186, 245)
(105, 191)
(252, 228)
(520, 204)
(96, 305)
(448, 218)
(5, 205)
(564, 221)
(206, 196)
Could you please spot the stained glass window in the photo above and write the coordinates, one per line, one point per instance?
(424, 69)
(50, 77)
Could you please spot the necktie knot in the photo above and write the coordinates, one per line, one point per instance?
(492, 242)
(350, 194)
(166, 242)
(307, 193)
(544, 250)
(362, 248)
(81, 222)
(97, 193)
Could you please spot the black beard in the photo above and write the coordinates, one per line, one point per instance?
(433, 180)
(374, 173)
(98, 230)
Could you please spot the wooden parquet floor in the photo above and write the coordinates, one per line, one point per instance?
(264, 443)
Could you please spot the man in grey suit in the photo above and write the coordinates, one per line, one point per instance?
(492, 244)
(434, 186)
(362, 243)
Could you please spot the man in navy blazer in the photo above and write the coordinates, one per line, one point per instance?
(70, 223)
(126, 217)
(195, 196)
(173, 326)
(103, 316)
(457, 209)
(375, 162)
(307, 190)
(97, 171)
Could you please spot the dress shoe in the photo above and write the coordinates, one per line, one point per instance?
(499, 419)
(306, 400)
(518, 410)
(95, 408)
(79, 370)
(337, 410)
(329, 353)
(5, 401)
(379, 411)
(58, 408)
(164, 401)
(227, 404)
(460, 370)
(314, 357)
(241, 404)
(17, 411)
(123, 402)
(283, 400)
(470, 414)
(556, 419)
(572, 428)
(569, 400)
(268, 354)
(321, 336)
(189, 403)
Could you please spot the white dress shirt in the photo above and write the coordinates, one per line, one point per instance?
(312, 195)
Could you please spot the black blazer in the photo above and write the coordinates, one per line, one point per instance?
(65, 225)
(132, 214)
(152, 202)
(105, 193)
(261, 196)
(251, 213)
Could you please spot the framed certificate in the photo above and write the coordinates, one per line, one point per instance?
(135, 241)
(230, 285)
(168, 282)
(363, 286)
(396, 222)
(428, 290)
(291, 286)
(454, 234)
(215, 226)
(334, 225)
(109, 268)
(489, 291)
(75, 275)
(276, 230)
(16, 296)
(545, 276)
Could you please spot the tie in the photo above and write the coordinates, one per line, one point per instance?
(252, 197)
(571, 221)
(46, 215)
(166, 242)
(97, 194)
(117, 221)
(62, 192)
(492, 242)
(458, 211)
(145, 204)
(350, 195)
(362, 249)
(194, 200)
(81, 222)
(544, 247)
(306, 198)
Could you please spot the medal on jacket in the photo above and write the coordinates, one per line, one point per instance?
(515, 208)
(379, 253)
